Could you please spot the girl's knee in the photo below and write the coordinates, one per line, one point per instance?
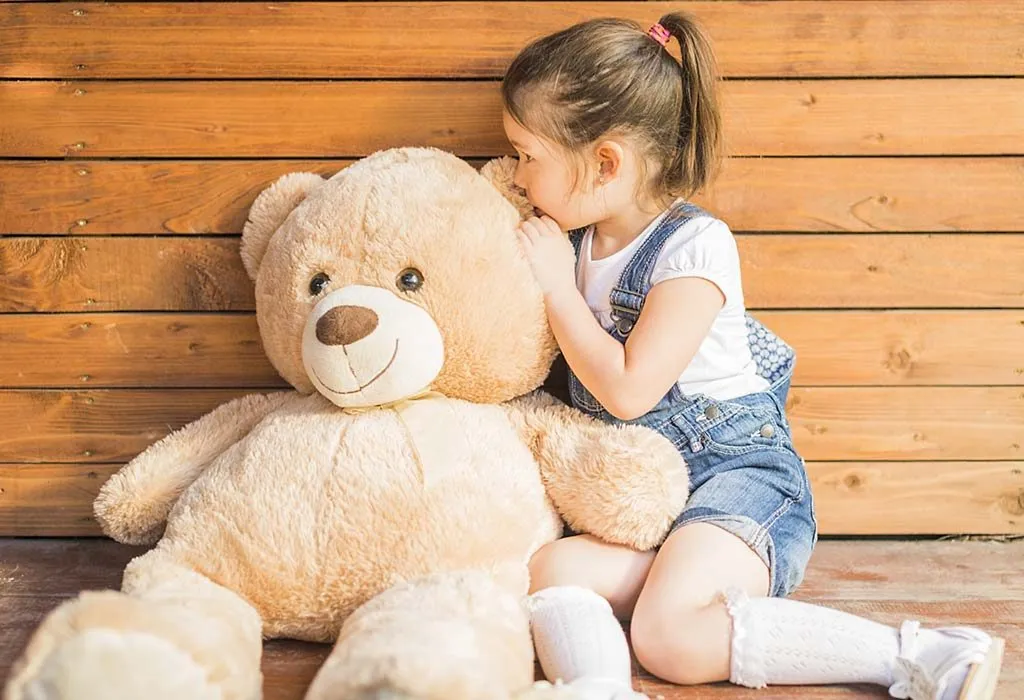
(657, 641)
(582, 560)
(614, 572)
(554, 564)
(670, 642)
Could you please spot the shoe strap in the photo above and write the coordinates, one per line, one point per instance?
(908, 638)
(912, 680)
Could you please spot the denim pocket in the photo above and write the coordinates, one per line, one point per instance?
(745, 429)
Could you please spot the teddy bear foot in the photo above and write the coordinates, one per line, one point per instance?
(116, 665)
(582, 689)
(378, 693)
(446, 636)
(173, 635)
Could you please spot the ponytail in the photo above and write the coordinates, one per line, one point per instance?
(699, 143)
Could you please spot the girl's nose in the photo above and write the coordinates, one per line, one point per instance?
(517, 179)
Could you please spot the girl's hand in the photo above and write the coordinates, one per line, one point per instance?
(550, 254)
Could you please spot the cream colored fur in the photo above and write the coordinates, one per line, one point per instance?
(394, 513)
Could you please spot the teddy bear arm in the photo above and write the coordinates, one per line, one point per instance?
(623, 483)
(132, 506)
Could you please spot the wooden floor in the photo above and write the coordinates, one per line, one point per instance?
(939, 583)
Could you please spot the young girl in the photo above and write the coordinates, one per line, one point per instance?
(644, 298)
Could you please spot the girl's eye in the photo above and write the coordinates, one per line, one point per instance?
(318, 283)
(527, 158)
(410, 279)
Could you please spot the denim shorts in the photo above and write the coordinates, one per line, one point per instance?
(746, 478)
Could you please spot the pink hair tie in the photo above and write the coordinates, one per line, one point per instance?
(659, 33)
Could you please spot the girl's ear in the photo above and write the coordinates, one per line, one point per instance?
(501, 173)
(609, 156)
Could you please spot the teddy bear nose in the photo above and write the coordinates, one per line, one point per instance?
(344, 325)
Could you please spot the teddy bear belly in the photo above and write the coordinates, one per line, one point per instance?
(309, 537)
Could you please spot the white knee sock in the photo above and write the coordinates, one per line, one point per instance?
(579, 641)
(785, 642)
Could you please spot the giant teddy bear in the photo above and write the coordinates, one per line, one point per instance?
(391, 501)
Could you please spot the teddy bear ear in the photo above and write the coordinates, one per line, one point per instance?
(501, 173)
(268, 212)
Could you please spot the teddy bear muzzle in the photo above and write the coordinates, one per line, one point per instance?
(366, 346)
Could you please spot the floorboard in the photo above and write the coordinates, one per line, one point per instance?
(939, 583)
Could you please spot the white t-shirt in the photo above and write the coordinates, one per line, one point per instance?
(723, 367)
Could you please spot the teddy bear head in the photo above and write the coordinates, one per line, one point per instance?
(400, 274)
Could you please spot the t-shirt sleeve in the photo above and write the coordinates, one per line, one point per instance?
(705, 248)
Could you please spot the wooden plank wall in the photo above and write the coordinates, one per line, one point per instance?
(875, 185)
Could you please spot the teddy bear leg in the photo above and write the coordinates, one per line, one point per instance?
(455, 636)
(172, 634)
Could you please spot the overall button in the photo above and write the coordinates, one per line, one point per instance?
(767, 430)
(711, 412)
(624, 325)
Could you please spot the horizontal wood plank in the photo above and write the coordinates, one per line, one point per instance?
(96, 426)
(850, 424)
(89, 274)
(916, 498)
(851, 498)
(134, 350)
(869, 194)
(780, 271)
(50, 500)
(984, 577)
(834, 348)
(139, 197)
(876, 572)
(878, 271)
(751, 194)
(45, 119)
(420, 39)
(920, 348)
(907, 423)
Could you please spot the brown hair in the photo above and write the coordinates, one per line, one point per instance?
(607, 76)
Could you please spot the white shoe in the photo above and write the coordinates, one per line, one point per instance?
(960, 663)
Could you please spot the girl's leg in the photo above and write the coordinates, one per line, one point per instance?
(686, 632)
(681, 631)
(576, 633)
(614, 572)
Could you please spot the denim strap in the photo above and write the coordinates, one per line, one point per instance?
(576, 238)
(627, 296)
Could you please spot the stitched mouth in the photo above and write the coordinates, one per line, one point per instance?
(377, 376)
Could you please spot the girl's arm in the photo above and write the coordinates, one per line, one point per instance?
(629, 379)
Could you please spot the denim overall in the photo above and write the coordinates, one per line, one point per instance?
(745, 476)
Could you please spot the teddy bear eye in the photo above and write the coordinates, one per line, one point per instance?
(410, 279)
(318, 283)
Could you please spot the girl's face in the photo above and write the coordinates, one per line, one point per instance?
(547, 176)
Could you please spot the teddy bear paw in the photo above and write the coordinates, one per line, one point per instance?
(116, 665)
